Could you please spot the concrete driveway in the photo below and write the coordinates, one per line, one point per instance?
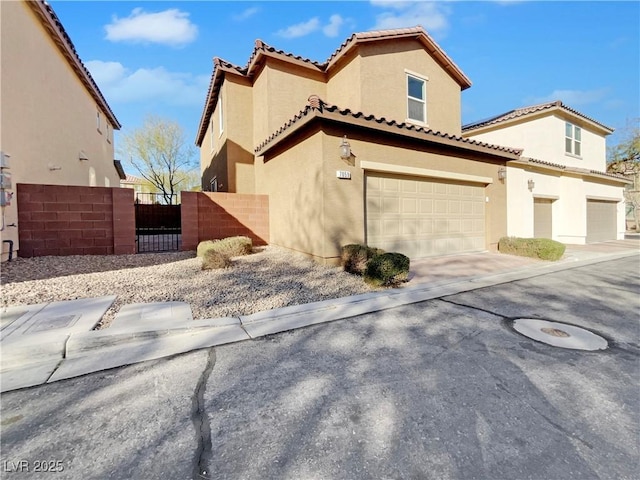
(438, 389)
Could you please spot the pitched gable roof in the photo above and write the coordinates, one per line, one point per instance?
(534, 110)
(262, 50)
(58, 34)
(318, 109)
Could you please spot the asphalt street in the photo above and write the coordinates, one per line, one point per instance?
(440, 389)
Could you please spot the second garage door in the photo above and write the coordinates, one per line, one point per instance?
(601, 221)
(423, 217)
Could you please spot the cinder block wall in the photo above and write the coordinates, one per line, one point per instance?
(71, 220)
(212, 215)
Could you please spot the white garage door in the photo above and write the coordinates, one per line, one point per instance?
(601, 221)
(422, 217)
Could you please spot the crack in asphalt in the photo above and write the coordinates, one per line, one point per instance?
(201, 420)
(442, 299)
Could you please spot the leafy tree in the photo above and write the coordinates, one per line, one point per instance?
(624, 159)
(159, 152)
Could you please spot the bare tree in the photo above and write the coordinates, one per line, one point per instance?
(624, 159)
(159, 153)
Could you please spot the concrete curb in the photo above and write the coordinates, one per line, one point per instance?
(93, 351)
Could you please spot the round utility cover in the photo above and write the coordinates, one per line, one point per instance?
(559, 334)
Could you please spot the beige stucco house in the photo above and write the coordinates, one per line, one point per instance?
(411, 182)
(559, 189)
(55, 124)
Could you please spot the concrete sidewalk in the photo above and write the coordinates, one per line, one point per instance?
(46, 343)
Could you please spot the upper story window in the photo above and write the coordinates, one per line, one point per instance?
(416, 98)
(213, 184)
(573, 139)
(220, 115)
(109, 133)
(98, 120)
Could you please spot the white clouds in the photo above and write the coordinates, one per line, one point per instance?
(300, 29)
(332, 29)
(247, 13)
(433, 16)
(170, 27)
(574, 98)
(121, 85)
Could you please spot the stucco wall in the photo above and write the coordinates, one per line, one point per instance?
(569, 208)
(543, 138)
(313, 211)
(383, 84)
(47, 115)
(343, 84)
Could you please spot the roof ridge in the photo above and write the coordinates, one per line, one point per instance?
(528, 110)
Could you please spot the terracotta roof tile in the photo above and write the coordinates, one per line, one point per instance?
(57, 31)
(524, 111)
(262, 48)
(571, 169)
(320, 108)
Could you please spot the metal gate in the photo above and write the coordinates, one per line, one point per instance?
(158, 222)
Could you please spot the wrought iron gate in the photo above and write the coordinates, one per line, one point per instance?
(158, 227)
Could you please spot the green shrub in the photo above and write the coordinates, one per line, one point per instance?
(542, 248)
(387, 269)
(231, 246)
(212, 260)
(354, 257)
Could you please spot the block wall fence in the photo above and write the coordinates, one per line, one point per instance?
(73, 220)
(213, 215)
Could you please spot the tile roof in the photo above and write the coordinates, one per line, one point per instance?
(261, 49)
(533, 109)
(317, 108)
(564, 168)
(54, 27)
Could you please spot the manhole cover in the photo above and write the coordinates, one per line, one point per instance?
(559, 334)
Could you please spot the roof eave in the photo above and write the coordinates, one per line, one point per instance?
(60, 37)
(417, 134)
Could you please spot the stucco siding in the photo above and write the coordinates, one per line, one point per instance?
(293, 180)
(383, 84)
(47, 116)
(543, 138)
(343, 85)
(569, 192)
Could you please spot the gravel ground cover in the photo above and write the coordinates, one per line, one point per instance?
(269, 278)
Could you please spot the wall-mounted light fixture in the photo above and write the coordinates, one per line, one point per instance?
(82, 156)
(53, 167)
(531, 184)
(345, 149)
(502, 173)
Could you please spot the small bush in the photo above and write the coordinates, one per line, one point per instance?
(388, 269)
(542, 248)
(354, 257)
(231, 246)
(213, 260)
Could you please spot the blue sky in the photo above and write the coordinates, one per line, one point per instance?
(156, 57)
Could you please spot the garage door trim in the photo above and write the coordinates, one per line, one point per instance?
(423, 172)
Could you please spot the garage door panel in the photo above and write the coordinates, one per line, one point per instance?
(421, 217)
(426, 205)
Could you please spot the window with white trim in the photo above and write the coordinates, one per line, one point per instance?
(214, 184)
(98, 121)
(572, 139)
(416, 98)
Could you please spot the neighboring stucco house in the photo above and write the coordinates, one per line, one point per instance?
(56, 125)
(559, 189)
(411, 184)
